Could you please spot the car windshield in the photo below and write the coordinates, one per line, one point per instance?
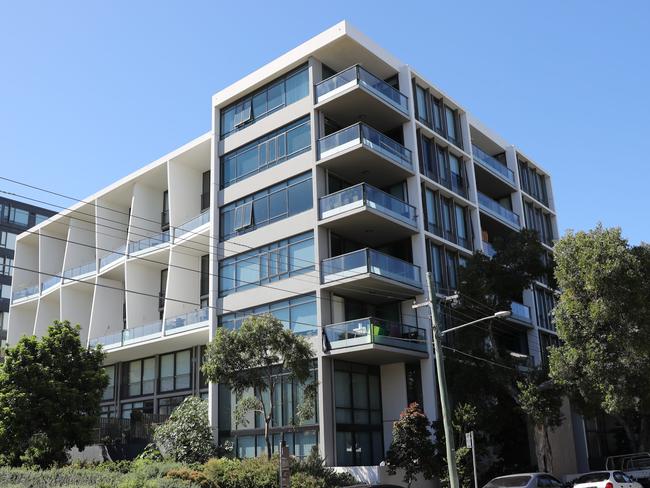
(592, 477)
(508, 482)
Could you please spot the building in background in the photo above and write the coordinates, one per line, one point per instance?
(333, 178)
(15, 218)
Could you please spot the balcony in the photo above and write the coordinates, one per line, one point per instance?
(375, 341)
(493, 165)
(370, 275)
(51, 282)
(365, 209)
(488, 249)
(24, 293)
(192, 224)
(118, 253)
(149, 243)
(129, 336)
(79, 271)
(360, 153)
(495, 209)
(520, 312)
(354, 92)
(188, 321)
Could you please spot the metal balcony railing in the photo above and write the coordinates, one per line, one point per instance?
(499, 211)
(356, 75)
(364, 194)
(361, 133)
(520, 312)
(371, 330)
(370, 261)
(492, 164)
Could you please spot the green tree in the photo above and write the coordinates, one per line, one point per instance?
(186, 435)
(485, 374)
(249, 359)
(541, 401)
(412, 449)
(603, 321)
(50, 389)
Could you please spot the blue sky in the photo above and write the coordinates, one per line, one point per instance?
(90, 91)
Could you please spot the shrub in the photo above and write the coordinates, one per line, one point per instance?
(314, 466)
(59, 477)
(303, 480)
(150, 453)
(247, 473)
(191, 475)
(186, 436)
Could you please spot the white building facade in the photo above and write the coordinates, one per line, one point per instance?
(333, 178)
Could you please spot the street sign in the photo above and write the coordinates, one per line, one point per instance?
(468, 440)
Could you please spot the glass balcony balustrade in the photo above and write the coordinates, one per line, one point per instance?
(488, 249)
(520, 312)
(112, 257)
(366, 195)
(129, 336)
(372, 330)
(26, 292)
(358, 76)
(149, 242)
(187, 321)
(366, 261)
(492, 164)
(84, 269)
(50, 282)
(364, 134)
(497, 210)
(192, 224)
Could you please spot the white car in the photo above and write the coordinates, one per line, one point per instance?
(525, 480)
(606, 479)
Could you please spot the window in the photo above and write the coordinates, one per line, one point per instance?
(205, 191)
(540, 221)
(442, 166)
(429, 111)
(280, 93)
(5, 291)
(3, 328)
(358, 415)
(274, 262)
(163, 293)
(175, 371)
(544, 303)
(447, 219)
(167, 405)
(266, 152)
(532, 182)
(108, 412)
(6, 266)
(164, 216)
(205, 280)
(15, 215)
(109, 391)
(140, 377)
(414, 384)
(444, 264)
(267, 206)
(7, 240)
(297, 314)
(133, 408)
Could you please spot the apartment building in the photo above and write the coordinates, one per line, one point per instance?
(15, 217)
(333, 178)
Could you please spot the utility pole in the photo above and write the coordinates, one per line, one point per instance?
(442, 384)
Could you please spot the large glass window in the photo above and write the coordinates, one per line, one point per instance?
(140, 377)
(274, 262)
(109, 391)
(540, 221)
(447, 219)
(167, 405)
(265, 152)
(358, 415)
(544, 303)
(437, 115)
(175, 371)
(6, 266)
(280, 93)
(442, 166)
(297, 314)
(7, 240)
(15, 215)
(532, 182)
(278, 202)
(444, 264)
(131, 408)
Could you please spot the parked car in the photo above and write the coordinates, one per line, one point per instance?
(525, 480)
(606, 479)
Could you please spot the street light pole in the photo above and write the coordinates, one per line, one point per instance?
(442, 385)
